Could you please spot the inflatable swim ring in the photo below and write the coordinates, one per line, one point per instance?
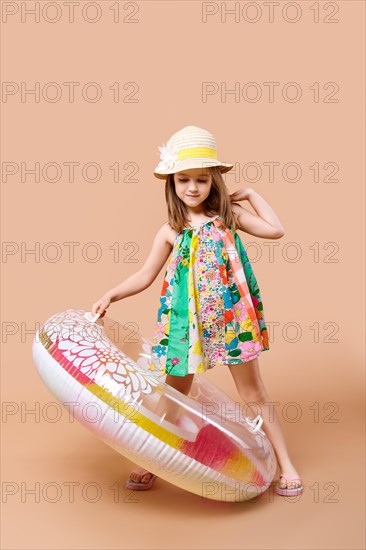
(103, 367)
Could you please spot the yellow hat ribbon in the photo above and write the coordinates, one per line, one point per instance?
(197, 152)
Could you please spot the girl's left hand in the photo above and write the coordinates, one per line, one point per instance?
(241, 194)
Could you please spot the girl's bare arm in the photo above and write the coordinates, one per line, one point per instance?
(144, 277)
(266, 224)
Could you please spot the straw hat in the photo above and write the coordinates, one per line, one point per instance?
(191, 147)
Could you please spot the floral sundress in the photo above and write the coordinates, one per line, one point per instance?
(211, 312)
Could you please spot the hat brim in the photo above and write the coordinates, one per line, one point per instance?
(194, 163)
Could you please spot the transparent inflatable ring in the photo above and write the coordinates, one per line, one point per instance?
(193, 441)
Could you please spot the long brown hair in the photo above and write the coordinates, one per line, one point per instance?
(218, 202)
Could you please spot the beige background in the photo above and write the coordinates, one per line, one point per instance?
(315, 304)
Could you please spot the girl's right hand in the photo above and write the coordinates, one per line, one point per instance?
(101, 305)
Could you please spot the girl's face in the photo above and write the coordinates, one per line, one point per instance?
(193, 186)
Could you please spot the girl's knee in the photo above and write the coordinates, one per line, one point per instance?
(180, 383)
(248, 380)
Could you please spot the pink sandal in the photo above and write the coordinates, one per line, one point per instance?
(289, 492)
(139, 485)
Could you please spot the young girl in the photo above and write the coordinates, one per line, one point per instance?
(211, 313)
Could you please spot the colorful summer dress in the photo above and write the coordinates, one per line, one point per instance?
(211, 312)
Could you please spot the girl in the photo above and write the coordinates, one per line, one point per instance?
(209, 279)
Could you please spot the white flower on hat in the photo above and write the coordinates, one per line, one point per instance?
(168, 156)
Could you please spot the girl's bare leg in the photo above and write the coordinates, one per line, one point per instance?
(182, 384)
(251, 389)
